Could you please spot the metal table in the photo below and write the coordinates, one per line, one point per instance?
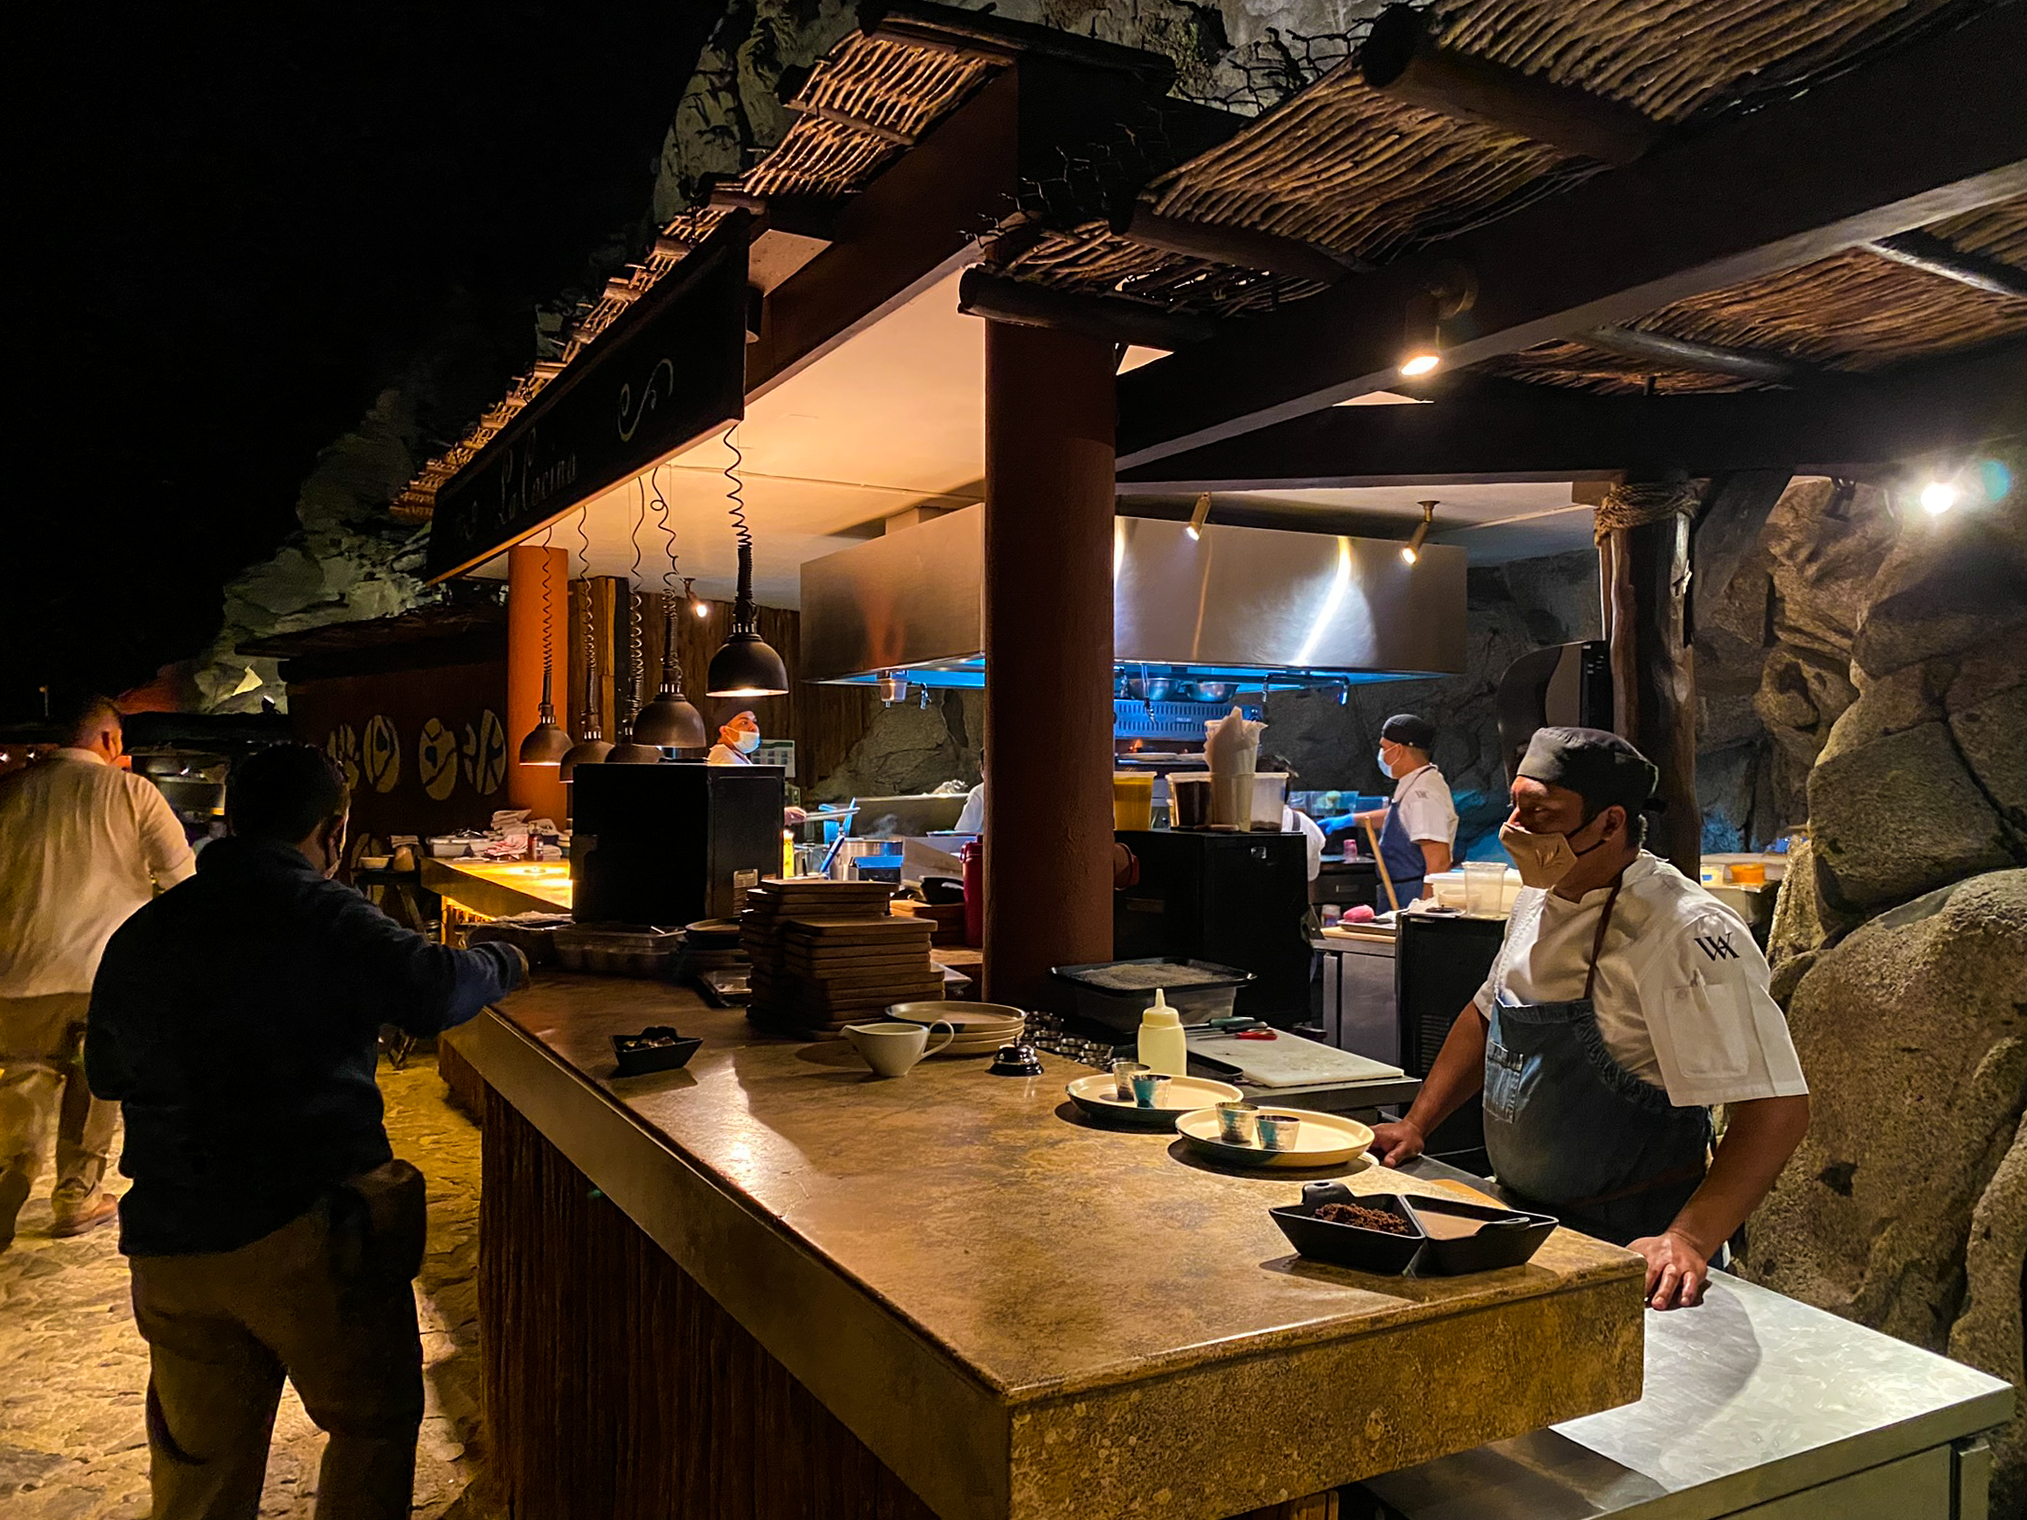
(1755, 1405)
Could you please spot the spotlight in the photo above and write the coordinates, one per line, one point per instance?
(1199, 517)
(1412, 549)
(1937, 497)
(1450, 291)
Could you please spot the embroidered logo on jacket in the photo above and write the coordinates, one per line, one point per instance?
(1716, 947)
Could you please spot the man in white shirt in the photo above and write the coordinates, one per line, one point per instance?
(1623, 1004)
(83, 843)
(1418, 828)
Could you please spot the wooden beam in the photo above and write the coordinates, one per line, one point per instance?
(1477, 428)
(1854, 158)
(1400, 59)
(1709, 358)
(856, 123)
(1264, 251)
(1933, 255)
(981, 293)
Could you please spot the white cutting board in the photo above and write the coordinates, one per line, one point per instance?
(1290, 1061)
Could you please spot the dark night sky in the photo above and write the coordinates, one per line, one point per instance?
(240, 232)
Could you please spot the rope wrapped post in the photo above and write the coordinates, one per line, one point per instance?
(1642, 530)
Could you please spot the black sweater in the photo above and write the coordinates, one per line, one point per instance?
(235, 1019)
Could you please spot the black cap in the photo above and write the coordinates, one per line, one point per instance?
(1601, 768)
(1406, 728)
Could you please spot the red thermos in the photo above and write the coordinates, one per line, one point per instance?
(973, 856)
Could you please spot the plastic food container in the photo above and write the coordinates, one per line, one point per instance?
(1132, 800)
(1116, 993)
(1484, 887)
(613, 950)
(1190, 801)
(1270, 799)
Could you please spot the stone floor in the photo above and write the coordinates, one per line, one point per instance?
(72, 1366)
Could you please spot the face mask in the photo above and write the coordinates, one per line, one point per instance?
(1542, 859)
(747, 742)
(1384, 768)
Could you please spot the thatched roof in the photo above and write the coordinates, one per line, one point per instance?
(1368, 178)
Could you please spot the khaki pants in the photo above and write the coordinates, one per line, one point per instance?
(42, 1086)
(224, 1330)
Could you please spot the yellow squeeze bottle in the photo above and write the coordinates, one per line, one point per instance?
(1162, 1045)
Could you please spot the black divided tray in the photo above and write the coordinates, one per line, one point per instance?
(1350, 1245)
(1509, 1237)
(656, 1048)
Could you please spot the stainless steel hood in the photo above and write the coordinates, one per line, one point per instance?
(1237, 601)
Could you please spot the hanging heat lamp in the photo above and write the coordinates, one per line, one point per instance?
(632, 749)
(745, 665)
(545, 743)
(669, 721)
(590, 748)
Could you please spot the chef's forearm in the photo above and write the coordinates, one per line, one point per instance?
(1458, 1074)
(1760, 1137)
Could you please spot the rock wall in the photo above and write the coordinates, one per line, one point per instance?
(1900, 941)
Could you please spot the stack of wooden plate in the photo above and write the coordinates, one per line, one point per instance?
(947, 917)
(981, 1028)
(826, 954)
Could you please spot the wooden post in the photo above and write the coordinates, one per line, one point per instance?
(1048, 656)
(534, 601)
(1643, 550)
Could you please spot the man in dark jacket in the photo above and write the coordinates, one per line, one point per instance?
(269, 1229)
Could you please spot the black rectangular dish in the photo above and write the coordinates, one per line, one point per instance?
(1505, 1238)
(656, 1048)
(1350, 1245)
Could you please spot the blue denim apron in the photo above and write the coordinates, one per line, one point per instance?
(1570, 1130)
(1404, 860)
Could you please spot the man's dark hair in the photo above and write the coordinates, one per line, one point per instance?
(283, 793)
(82, 720)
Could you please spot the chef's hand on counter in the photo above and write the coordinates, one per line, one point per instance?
(1677, 1272)
(1397, 1143)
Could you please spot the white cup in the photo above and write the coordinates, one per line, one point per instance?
(892, 1049)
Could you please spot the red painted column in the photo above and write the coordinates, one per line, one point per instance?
(529, 608)
(1049, 439)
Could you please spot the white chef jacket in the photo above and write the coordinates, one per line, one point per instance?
(1422, 798)
(725, 754)
(82, 845)
(1681, 991)
(1312, 836)
(972, 819)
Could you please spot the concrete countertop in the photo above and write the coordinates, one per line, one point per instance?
(1023, 1315)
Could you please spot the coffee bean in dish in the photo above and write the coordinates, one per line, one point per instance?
(1364, 1218)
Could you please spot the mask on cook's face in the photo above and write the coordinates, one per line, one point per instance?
(1384, 768)
(747, 742)
(1544, 859)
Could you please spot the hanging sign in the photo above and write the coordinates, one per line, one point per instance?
(669, 372)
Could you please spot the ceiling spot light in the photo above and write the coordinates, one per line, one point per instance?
(1199, 517)
(1450, 292)
(1412, 549)
(1937, 497)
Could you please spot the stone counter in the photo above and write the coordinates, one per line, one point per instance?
(1023, 1316)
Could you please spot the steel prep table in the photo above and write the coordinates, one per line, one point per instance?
(1755, 1405)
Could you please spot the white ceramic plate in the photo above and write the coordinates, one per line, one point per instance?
(1099, 1097)
(1323, 1139)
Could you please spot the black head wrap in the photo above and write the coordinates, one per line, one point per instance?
(1601, 768)
(1406, 728)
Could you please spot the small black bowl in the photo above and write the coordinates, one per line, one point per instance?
(1508, 1238)
(1349, 1245)
(656, 1048)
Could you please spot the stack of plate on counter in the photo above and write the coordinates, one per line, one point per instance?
(826, 954)
(981, 1028)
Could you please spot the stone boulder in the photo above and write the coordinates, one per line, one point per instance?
(1988, 1333)
(1958, 589)
(1913, 1035)
(1899, 815)
(908, 749)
